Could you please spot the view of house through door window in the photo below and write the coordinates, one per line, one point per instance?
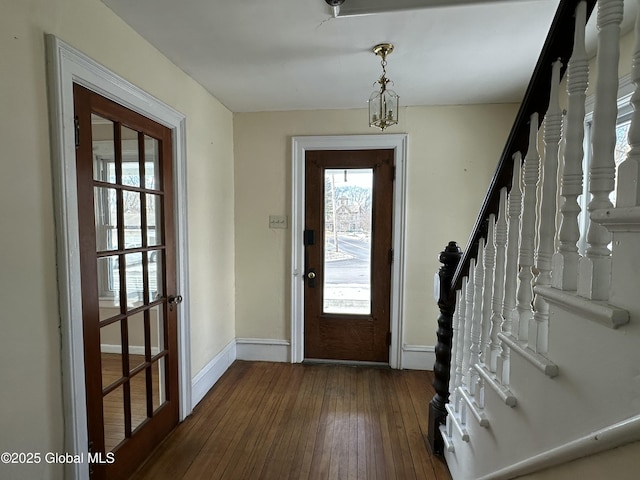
(347, 240)
(127, 261)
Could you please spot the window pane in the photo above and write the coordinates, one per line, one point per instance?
(154, 220)
(159, 381)
(103, 149)
(622, 148)
(152, 163)
(132, 219)
(156, 271)
(133, 262)
(110, 353)
(135, 334)
(106, 213)
(157, 330)
(113, 411)
(138, 389)
(109, 286)
(347, 241)
(130, 155)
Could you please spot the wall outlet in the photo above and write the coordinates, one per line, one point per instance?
(278, 221)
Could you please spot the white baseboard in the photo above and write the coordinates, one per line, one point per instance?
(418, 357)
(263, 349)
(211, 372)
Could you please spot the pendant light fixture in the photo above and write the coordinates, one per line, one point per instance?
(383, 103)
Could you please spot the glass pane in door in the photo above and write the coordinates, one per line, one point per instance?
(152, 163)
(104, 157)
(113, 414)
(138, 386)
(106, 214)
(130, 155)
(348, 197)
(159, 383)
(136, 338)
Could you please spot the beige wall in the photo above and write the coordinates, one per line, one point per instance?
(31, 397)
(452, 155)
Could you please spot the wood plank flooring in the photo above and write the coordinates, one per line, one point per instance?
(290, 421)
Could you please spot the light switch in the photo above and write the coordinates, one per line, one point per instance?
(278, 221)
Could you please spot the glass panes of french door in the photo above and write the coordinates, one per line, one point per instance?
(348, 197)
(128, 203)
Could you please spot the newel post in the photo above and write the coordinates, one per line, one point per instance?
(449, 258)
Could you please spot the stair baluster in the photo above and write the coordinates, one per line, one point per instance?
(466, 363)
(565, 261)
(594, 271)
(539, 328)
(498, 284)
(531, 172)
(476, 320)
(489, 271)
(509, 312)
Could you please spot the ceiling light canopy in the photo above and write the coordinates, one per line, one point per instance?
(383, 103)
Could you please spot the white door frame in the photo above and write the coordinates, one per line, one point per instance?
(397, 142)
(66, 66)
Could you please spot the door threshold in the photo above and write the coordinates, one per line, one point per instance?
(350, 363)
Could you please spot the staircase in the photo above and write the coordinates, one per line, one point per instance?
(538, 360)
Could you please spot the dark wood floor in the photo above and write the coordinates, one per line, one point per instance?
(282, 421)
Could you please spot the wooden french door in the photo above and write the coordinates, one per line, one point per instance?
(129, 298)
(348, 254)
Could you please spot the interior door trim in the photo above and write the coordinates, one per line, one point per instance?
(66, 66)
(397, 142)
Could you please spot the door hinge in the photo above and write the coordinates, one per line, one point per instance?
(390, 255)
(76, 129)
(388, 339)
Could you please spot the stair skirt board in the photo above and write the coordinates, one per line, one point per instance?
(619, 434)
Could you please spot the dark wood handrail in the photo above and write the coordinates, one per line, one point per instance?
(558, 45)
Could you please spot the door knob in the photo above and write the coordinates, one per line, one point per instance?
(175, 299)
(311, 275)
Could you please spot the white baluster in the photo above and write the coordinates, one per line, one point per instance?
(455, 334)
(539, 328)
(565, 261)
(467, 327)
(462, 307)
(491, 357)
(628, 194)
(476, 319)
(527, 231)
(509, 312)
(594, 271)
(489, 267)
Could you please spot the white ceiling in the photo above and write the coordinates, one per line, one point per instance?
(257, 55)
